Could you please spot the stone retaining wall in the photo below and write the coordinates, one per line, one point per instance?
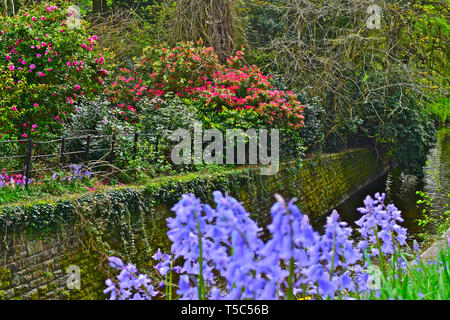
(41, 239)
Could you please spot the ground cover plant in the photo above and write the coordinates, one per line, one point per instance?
(219, 253)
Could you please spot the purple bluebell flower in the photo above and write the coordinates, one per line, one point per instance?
(131, 284)
(378, 224)
(224, 242)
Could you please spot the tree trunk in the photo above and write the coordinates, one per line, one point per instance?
(104, 6)
(212, 20)
(96, 6)
(220, 28)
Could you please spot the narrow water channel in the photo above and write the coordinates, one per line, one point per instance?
(400, 189)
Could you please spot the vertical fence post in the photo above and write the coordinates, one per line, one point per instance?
(88, 142)
(136, 137)
(28, 164)
(61, 156)
(156, 146)
(113, 142)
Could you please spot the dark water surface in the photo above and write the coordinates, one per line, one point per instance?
(400, 189)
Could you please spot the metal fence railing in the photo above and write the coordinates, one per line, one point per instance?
(39, 156)
(28, 156)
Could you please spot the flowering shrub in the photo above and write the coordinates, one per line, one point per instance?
(45, 65)
(223, 256)
(193, 72)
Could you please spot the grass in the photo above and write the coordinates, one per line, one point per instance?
(419, 280)
(46, 187)
(42, 190)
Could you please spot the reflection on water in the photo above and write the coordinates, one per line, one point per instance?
(400, 189)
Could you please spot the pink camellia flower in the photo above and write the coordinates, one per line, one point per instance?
(41, 74)
(49, 59)
(34, 19)
(24, 62)
(68, 64)
(77, 87)
(24, 135)
(32, 66)
(11, 67)
(95, 38)
(25, 124)
(83, 45)
(42, 18)
(13, 108)
(89, 49)
(74, 63)
(8, 58)
(35, 105)
(38, 55)
(34, 126)
(57, 117)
